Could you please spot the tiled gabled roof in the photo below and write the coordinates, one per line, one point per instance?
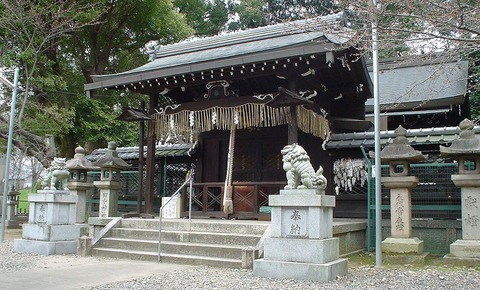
(132, 153)
(424, 136)
(301, 37)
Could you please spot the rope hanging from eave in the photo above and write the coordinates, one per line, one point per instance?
(190, 123)
(309, 122)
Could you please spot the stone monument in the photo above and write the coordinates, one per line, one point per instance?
(51, 225)
(109, 184)
(78, 184)
(301, 245)
(399, 154)
(466, 151)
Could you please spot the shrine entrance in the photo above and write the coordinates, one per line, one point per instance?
(256, 172)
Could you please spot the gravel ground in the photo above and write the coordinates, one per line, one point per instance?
(359, 276)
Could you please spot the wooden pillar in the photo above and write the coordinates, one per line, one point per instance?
(140, 162)
(292, 126)
(150, 163)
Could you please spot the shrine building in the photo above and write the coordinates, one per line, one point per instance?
(241, 97)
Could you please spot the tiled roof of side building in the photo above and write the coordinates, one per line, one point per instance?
(421, 86)
(424, 136)
(132, 153)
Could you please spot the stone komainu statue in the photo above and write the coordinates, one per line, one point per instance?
(299, 170)
(57, 175)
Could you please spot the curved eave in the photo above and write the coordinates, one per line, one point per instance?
(311, 47)
(418, 105)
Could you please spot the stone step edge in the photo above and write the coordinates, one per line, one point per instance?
(190, 232)
(194, 223)
(154, 254)
(199, 221)
(175, 243)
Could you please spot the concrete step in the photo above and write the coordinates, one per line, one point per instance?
(184, 236)
(199, 225)
(198, 242)
(128, 244)
(167, 258)
(206, 250)
(194, 249)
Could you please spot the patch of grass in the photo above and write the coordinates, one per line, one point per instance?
(23, 203)
(434, 261)
(361, 259)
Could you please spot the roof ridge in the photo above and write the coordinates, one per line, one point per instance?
(410, 132)
(243, 36)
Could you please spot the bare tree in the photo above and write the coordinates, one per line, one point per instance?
(413, 30)
(418, 27)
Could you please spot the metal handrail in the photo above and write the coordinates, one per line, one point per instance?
(189, 180)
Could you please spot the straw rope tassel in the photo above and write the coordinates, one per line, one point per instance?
(227, 194)
(249, 115)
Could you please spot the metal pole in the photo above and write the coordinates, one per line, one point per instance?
(9, 153)
(190, 196)
(376, 121)
(159, 235)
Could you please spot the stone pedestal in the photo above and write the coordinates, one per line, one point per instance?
(401, 240)
(51, 225)
(467, 250)
(301, 245)
(108, 197)
(80, 190)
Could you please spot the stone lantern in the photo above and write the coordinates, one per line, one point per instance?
(398, 155)
(466, 151)
(78, 184)
(109, 184)
(11, 220)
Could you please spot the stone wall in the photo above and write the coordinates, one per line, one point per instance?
(437, 235)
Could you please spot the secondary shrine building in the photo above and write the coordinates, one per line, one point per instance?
(241, 97)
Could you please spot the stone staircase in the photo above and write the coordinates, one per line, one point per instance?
(209, 242)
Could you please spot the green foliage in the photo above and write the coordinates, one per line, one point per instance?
(209, 18)
(474, 83)
(281, 10)
(250, 14)
(117, 40)
(205, 17)
(255, 13)
(194, 12)
(475, 104)
(217, 17)
(96, 124)
(51, 119)
(59, 45)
